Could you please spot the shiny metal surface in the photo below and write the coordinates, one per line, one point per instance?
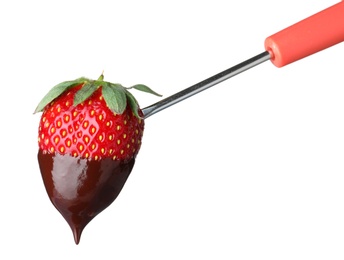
(207, 83)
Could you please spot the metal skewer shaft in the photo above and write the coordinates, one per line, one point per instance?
(203, 85)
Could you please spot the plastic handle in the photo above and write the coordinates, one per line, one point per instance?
(313, 34)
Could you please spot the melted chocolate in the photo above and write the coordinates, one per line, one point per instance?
(82, 188)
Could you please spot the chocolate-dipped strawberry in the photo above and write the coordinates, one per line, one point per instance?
(89, 135)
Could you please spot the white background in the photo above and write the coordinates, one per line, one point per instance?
(249, 169)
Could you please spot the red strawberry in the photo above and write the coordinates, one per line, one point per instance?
(89, 135)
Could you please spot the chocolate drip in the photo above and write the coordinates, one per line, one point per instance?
(81, 188)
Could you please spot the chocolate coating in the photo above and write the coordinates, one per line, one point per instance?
(82, 188)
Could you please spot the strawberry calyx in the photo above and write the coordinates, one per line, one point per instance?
(115, 95)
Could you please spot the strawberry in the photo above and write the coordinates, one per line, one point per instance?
(89, 135)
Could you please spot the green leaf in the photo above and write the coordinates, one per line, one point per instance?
(98, 83)
(56, 91)
(144, 88)
(115, 97)
(133, 103)
(84, 93)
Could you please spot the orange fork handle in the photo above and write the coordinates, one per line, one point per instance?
(313, 34)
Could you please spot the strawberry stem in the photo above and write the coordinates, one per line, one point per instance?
(101, 77)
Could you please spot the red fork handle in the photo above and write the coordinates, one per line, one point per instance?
(313, 34)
